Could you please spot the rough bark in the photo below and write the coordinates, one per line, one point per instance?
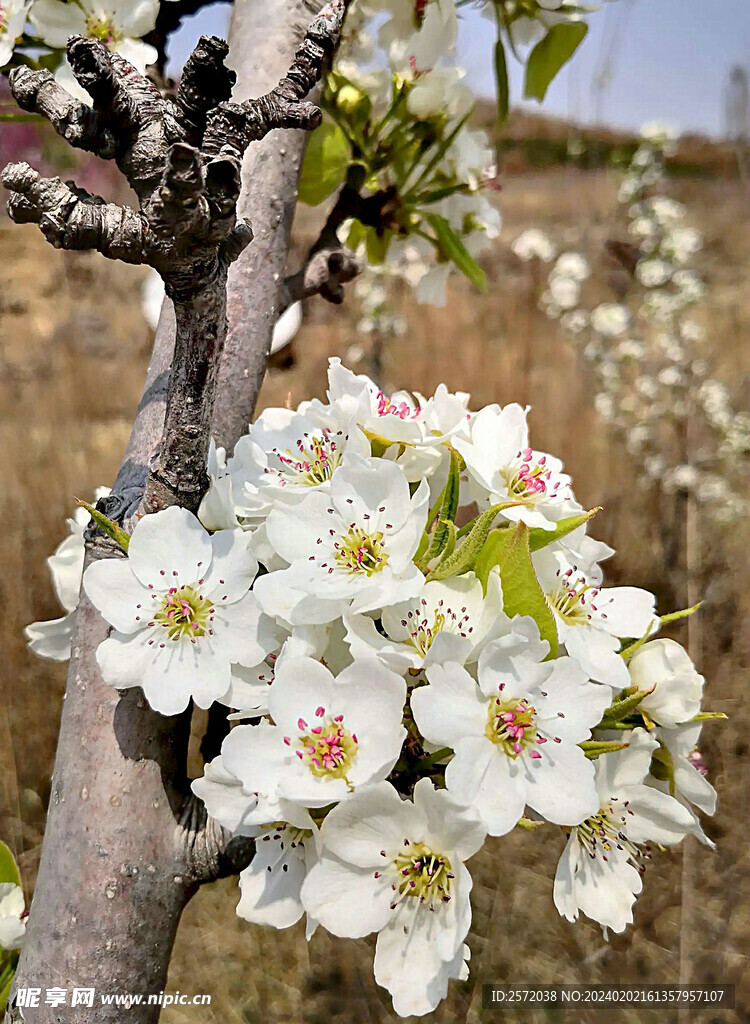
(126, 845)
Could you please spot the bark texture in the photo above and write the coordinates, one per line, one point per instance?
(126, 844)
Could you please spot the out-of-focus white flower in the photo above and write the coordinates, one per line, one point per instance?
(533, 244)
(653, 273)
(564, 292)
(572, 265)
(417, 36)
(440, 90)
(610, 319)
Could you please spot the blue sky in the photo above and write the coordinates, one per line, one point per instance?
(670, 59)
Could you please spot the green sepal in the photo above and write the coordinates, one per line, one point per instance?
(682, 614)
(541, 538)
(709, 716)
(106, 525)
(441, 533)
(464, 557)
(595, 748)
(620, 709)
(662, 768)
(508, 550)
(528, 825)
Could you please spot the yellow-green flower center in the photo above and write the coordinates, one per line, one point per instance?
(361, 553)
(510, 725)
(185, 612)
(422, 874)
(313, 462)
(103, 29)
(327, 748)
(569, 601)
(604, 832)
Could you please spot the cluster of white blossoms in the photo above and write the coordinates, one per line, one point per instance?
(647, 350)
(399, 604)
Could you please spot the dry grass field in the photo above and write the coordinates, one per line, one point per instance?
(73, 351)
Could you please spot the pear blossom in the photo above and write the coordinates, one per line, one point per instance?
(271, 884)
(118, 24)
(503, 468)
(286, 455)
(515, 732)
(440, 91)
(401, 865)
(393, 417)
(572, 265)
(331, 735)
(675, 769)
(12, 916)
(419, 32)
(182, 611)
(348, 550)
(600, 870)
(590, 619)
(13, 17)
(51, 638)
(450, 620)
(664, 667)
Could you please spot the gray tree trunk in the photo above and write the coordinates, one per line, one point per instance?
(125, 845)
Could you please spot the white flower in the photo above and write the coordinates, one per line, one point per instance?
(533, 244)
(419, 34)
(331, 735)
(393, 417)
(431, 289)
(503, 468)
(118, 24)
(690, 783)
(681, 243)
(598, 872)
(591, 620)
(182, 611)
(286, 455)
(665, 668)
(13, 15)
(515, 732)
(572, 265)
(351, 549)
(449, 620)
(272, 883)
(12, 919)
(610, 319)
(51, 638)
(440, 91)
(397, 868)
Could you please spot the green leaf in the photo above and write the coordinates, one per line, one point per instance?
(324, 168)
(8, 868)
(464, 558)
(501, 82)
(447, 515)
(117, 534)
(522, 594)
(541, 538)
(451, 246)
(709, 716)
(21, 117)
(620, 709)
(8, 964)
(661, 767)
(595, 748)
(550, 54)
